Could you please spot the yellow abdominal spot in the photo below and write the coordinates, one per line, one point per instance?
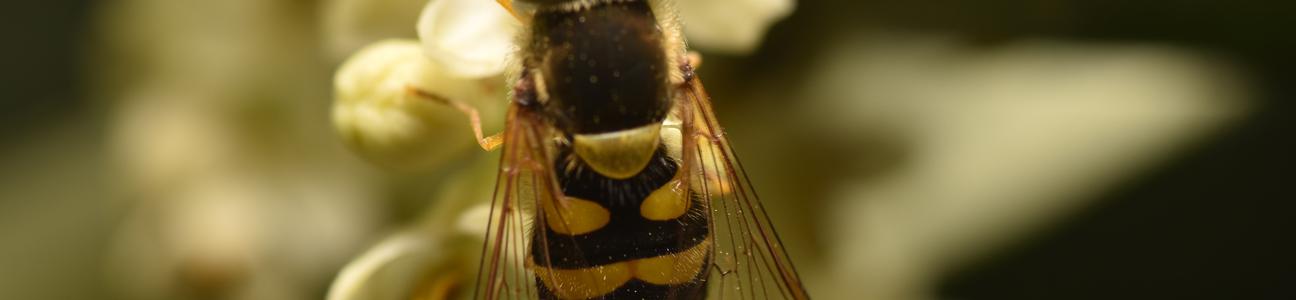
(666, 203)
(575, 216)
(584, 283)
(671, 269)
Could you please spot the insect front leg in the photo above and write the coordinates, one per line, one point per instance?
(487, 143)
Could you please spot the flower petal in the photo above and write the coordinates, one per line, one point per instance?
(390, 270)
(732, 26)
(470, 38)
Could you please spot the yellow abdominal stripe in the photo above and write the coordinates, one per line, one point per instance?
(584, 283)
(671, 269)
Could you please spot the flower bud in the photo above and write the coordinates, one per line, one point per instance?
(378, 115)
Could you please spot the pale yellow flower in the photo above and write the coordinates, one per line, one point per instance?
(474, 37)
(470, 38)
(466, 46)
(379, 116)
(442, 248)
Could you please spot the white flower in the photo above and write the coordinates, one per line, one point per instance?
(470, 38)
(474, 37)
(464, 45)
(378, 115)
(437, 255)
(392, 269)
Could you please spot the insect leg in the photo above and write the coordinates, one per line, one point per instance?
(488, 143)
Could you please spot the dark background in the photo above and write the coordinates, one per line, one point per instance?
(44, 61)
(1216, 222)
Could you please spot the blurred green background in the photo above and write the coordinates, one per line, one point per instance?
(1206, 216)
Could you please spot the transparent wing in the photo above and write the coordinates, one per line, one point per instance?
(524, 179)
(525, 187)
(748, 260)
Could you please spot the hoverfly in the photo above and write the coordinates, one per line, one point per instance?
(616, 180)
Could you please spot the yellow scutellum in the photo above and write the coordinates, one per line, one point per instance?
(619, 154)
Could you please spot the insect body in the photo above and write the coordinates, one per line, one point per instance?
(615, 181)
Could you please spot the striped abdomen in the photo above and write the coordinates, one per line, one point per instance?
(636, 238)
